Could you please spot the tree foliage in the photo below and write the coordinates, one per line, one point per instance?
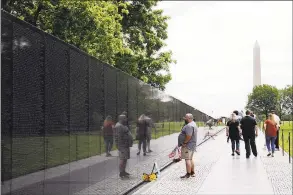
(285, 105)
(263, 99)
(129, 35)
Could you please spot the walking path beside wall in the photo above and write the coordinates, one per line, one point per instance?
(217, 172)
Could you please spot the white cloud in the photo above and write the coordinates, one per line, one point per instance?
(213, 43)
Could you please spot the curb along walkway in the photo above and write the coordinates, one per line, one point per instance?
(217, 172)
(97, 174)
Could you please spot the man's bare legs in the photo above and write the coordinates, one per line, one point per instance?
(192, 167)
(188, 166)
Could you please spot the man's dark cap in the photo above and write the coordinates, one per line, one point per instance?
(236, 112)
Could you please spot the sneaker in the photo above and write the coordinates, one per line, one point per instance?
(272, 154)
(187, 175)
(255, 155)
(122, 174)
(175, 160)
(237, 152)
(126, 173)
(192, 174)
(144, 154)
(277, 149)
(269, 154)
(233, 154)
(247, 156)
(138, 153)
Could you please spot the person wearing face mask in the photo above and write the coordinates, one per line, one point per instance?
(233, 132)
(123, 141)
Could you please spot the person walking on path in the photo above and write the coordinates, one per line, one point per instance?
(189, 144)
(123, 140)
(278, 121)
(108, 135)
(233, 132)
(249, 132)
(270, 127)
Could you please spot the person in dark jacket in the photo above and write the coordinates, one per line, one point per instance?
(142, 133)
(108, 134)
(233, 132)
(123, 143)
(249, 132)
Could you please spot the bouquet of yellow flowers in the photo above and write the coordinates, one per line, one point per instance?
(150, 177)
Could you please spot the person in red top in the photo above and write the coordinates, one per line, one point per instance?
(108, 135)
(270, 127)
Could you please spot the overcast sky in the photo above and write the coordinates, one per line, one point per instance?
(213, 44)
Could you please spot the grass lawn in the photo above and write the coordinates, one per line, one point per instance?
(30, 154)
(286, 127)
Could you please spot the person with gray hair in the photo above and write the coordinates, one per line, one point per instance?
(189, 144)
(123, 140)
(233, 132)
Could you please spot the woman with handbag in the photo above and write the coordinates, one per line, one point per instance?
(270, 127)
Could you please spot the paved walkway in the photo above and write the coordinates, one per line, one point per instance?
(217, 172)
(95, 175)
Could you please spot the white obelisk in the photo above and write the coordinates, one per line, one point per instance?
(256, 65)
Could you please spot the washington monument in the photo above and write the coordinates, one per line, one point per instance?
(256, 65)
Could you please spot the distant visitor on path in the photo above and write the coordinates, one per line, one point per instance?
(108, 135)
(123, 140)
(233, 132)
(249, 132)
(278, 121)
(270, 127)
(189, 144)
(210, 123)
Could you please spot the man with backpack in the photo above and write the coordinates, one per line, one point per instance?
(189, 144)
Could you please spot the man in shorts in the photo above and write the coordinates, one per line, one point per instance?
(189, 144)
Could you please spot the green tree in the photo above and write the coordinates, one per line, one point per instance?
(92, 26)
(263, 99)
(144, 31)
(285, 105)
(126, 34)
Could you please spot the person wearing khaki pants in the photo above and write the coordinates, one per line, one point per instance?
(189, 144)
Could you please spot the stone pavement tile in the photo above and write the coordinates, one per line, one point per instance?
(170, 183)
(238, 175)
(87, 172)
(217, 172)
(116, 186)
(279, 171)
